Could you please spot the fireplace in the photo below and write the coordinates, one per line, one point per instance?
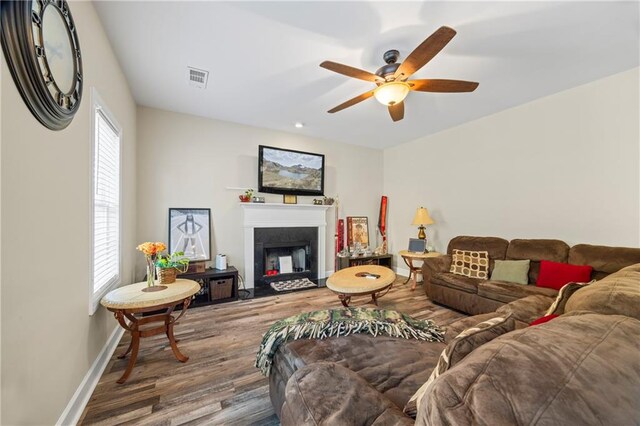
(274, 230)
(285, 253)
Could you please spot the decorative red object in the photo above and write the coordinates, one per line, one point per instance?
(544, 319)
(555, 275)
(244, 198)
(382, 218)
(382, 221)
(339, 235)
(272, 272)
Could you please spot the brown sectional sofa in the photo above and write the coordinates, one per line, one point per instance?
(581, 368)
(475, 296)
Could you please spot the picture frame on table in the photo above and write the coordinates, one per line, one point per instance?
(357, 231)
(190, 232)
(416, 245)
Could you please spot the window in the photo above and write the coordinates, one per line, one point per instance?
(106, 202)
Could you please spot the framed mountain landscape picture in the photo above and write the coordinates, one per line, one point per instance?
(290, 172)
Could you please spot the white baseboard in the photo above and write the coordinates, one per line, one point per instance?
(327, 274)
(405, 273)
(401, 271)
(75, 407)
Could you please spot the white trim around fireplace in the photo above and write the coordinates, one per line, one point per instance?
(276, 215)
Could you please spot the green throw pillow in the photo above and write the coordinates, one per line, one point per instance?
(513, 271)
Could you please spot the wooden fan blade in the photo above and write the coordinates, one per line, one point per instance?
(425, 52)
(429, 85)
(351, 102)
(351, 72)
(397, 111)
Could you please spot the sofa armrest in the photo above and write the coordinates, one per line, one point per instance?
(327, 393)
(432, 265)
(452, 330)
(527, 309)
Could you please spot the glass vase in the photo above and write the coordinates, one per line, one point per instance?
(151, 270)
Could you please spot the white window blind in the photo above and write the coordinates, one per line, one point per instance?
(106, 202)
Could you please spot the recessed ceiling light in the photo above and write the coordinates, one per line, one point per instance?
(299, 125)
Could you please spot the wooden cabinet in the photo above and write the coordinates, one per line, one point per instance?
(382, 260)
(216, 286)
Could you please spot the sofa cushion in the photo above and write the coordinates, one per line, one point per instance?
(555, 275)
(574, 352)
(465, 343)
(604, 260)
(619, 293)
(508, 292)
(394, 367)
(328, 394)
(513, 271)
(536, 250)
(472, 264)
(459, 282)
(497, 247)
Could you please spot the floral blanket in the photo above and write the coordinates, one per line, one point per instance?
(342, 322)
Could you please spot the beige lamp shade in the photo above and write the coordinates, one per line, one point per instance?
(422, 217)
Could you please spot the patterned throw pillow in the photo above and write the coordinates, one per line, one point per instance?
(460, 347)
(472, 264)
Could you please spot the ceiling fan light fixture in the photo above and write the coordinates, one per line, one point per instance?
(391, 93)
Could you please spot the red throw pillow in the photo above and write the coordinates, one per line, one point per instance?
(544, 319)
(555, 275)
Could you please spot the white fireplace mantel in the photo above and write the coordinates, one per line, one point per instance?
(276, 215)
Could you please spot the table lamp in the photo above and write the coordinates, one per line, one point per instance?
(422, 218)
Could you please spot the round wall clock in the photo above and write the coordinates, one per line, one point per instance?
(40, 44)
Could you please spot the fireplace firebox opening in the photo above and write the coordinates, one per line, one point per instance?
(284, 254)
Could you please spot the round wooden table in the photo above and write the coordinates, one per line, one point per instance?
(353, 282)
(127, 301)
(409, 257)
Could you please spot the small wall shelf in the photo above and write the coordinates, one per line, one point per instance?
(285, 206)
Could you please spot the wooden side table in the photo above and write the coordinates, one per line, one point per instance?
(409, 257)
(125, 302)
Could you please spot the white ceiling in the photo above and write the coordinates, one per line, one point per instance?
(263, 58)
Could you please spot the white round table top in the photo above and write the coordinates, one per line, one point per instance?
(345, 280)
(416, 255)
(132, 296)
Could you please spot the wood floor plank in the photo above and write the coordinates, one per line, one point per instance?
(219, 384)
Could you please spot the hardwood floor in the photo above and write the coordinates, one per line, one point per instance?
(219, 384)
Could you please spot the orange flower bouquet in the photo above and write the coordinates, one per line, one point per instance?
(151, 251)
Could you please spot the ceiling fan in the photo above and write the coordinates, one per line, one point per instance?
(392, 79)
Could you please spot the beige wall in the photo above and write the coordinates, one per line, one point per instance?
(48, 339)
(187, 161)
(565, 166)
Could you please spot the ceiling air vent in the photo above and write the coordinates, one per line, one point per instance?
(198, 78)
